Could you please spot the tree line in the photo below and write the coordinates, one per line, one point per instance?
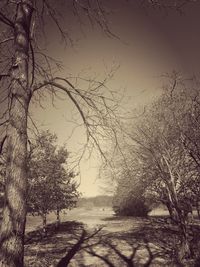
(98, 201)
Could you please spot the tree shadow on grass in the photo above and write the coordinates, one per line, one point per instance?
(166, 237)
(163, 238)
(51, 230)
(152, 243)
(44, 250)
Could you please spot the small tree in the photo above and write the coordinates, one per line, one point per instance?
(51, 186)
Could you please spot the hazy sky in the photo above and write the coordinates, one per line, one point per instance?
(151, 43)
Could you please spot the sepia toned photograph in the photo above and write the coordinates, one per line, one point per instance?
(99, 133)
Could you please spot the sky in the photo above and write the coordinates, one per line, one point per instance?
(150, 44)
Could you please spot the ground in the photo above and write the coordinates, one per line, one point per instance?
(96, 237)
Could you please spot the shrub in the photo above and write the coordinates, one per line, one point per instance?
(131, 206)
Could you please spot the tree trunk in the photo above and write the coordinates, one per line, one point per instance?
(198, 209)
(14, 213)
(184, 249)
(57, 217)
(176, 215)
(44, 224)
(171, 211)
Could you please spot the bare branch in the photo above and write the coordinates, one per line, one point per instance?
(6, 20)
(6, 40)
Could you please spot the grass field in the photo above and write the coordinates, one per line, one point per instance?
(146, 240)
(91, 217)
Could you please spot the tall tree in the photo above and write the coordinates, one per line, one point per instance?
(14, 213)
(25, 71)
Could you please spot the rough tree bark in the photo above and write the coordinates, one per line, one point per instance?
(14, 213)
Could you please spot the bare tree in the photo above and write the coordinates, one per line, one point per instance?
(157, 159)
(26, 71)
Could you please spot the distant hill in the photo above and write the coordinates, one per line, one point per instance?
(98, 201)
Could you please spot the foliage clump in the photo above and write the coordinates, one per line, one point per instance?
(51, 184)
(129, 199)
(132, 207)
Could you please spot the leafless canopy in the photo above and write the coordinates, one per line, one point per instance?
(94, 101)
